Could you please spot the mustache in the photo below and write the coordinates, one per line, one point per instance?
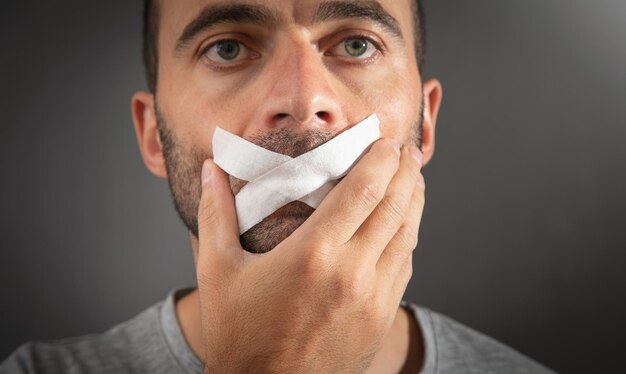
(286, 141)
(292, 142)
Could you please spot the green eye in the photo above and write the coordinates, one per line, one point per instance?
(228, 50)
(356, 47)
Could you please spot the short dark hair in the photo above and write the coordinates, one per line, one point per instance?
(151, 19)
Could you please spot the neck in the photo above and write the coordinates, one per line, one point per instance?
(188, 313)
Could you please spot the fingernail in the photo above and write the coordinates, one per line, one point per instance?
(206, 173)
(417, 155)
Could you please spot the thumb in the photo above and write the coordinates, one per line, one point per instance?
(218, 230)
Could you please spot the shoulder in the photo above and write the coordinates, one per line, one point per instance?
(133, 346)
(451, 347)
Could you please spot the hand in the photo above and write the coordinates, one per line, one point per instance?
(324, 298)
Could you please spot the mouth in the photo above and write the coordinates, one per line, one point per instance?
(294, 211)
(288, 217)
(276, 227)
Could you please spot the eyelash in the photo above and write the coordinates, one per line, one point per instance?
(353, 61)
(365, 61)
(222, 66)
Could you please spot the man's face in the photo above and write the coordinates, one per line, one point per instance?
(287, 75)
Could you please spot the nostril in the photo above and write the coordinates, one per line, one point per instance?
(324, 116)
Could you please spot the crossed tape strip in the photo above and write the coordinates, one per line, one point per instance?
(275, 180)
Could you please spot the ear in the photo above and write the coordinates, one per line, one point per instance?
(432, 92)
(144, 117)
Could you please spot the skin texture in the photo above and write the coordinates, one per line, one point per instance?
(344, 267)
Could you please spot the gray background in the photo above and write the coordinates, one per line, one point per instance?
(523, 233)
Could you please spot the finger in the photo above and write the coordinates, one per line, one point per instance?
(402, 280)
(385, 221)
(405, 240)
(218, 230)
(347, 205)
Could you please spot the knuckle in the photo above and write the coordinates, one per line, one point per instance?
(313, 264)
(368, 192)
(393, 209)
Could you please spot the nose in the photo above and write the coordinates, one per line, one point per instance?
(299, 92)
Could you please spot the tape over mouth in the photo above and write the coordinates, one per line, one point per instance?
(275, 180)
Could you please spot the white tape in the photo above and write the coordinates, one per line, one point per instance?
(275, 180)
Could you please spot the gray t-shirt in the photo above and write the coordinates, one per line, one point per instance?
(152, 342)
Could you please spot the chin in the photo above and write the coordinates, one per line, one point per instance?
(275, 228)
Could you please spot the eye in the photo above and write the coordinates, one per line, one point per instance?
(355, 47)
(225, 51)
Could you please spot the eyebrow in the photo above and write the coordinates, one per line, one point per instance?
(261, 15)
(366, 10)
(227, 13)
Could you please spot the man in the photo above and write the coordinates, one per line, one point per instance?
(305, 290)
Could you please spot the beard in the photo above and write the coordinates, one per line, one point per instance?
(184, 165)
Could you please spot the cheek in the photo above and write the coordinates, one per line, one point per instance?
(195, 106)
(197, 112)
(397, 104)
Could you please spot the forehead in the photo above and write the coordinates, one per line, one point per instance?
(177, 15)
